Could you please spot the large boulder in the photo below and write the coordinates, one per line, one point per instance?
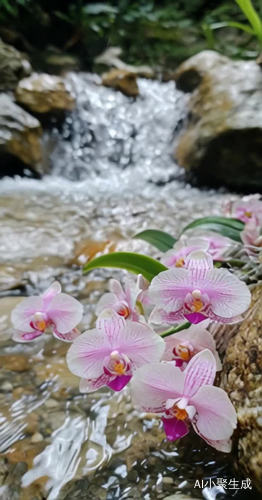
(13, 66)
(20, 134)
(242, 379)
(222, 142)
(44, 93)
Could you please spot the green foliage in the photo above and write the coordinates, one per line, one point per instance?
(254, 28)
(133, 262)
(159, 239)
(225, 226)
(12, 7)
(169, 31)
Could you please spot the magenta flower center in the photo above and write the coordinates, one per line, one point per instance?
(123, 310)
(117, 364)
(39, 321)
(195, 302)
(180, 262)
(183, 351)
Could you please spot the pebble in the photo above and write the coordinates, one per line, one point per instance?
(168, 480)
(37, 437)
(51, 403)
(15, 362)
(6, 387)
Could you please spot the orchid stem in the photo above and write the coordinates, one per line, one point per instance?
(176, 329)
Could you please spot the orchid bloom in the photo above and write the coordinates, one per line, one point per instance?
(109, 354)
(183, 345)
(198, 292)
(187, 397)
(249, 207)
(211, 243)
(52, 310)
(252, 237)
(121, 299)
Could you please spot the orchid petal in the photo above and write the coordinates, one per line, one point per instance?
(224, 445)
(160, 316)
(153, 384)
(201, 370)
(216, 417)
(110, 324)
(26, 336)
(169, 288)
(140, 343)
(229, 296)
(107, 301)
(68, 336)
(23, 313)
(65, 312)
(174, 429)
(93, 385)
(117, 289)
(198, 263)
(51, 292)
(86, 355)
(118, 383)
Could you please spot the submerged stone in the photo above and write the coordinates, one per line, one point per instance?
(222, 143)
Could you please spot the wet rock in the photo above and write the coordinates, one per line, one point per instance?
(123, 80)
(13, 66)
(222, 143)
(242, 379)
(20, 134)
(15, 362)
(111, 58)
(43, 93)
(88, 249)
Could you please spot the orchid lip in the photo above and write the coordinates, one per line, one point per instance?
(117, 364)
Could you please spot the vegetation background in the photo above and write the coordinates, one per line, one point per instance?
(160, 33)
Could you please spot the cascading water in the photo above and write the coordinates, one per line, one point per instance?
(112, 174)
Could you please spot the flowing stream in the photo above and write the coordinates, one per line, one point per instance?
(112, 174)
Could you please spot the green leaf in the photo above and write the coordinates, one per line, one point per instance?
(159, 239)
(225, 226)
(241, 26)
(134, 262)
(252, 16)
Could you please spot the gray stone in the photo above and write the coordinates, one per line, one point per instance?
(222, 143)
(20, 133)
(13, 66)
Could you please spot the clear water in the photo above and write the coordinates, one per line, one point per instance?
(111, 174)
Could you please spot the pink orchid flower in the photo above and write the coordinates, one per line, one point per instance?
(182, 346)
(109, 354)
(249, 207)
(252, 238)
(211, 243)
(187, 397)
(198, 292)
(123, 300)
(176, 257)
(52, 310)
